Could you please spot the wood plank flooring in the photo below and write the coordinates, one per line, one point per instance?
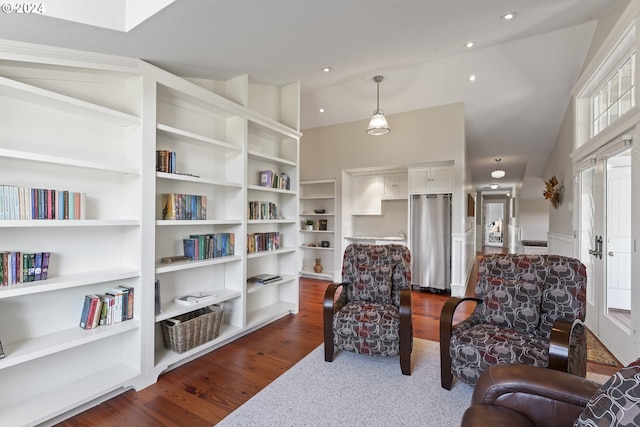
(204, 391)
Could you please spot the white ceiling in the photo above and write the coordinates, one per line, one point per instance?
(525, 67)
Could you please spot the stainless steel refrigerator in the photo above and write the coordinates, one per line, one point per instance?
(430, 241)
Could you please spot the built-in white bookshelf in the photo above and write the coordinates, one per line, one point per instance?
(318, 241)
(93, 123)
(70, 128)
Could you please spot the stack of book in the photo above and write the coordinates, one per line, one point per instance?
(40, 203)
(205, 246)
(114, 306)
(269, 178)
(21, 267)
(262, 210)
(166, 161)
(264, 279)
(258, 242)
(177, 206)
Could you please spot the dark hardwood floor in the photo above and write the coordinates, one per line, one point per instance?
(204, 391)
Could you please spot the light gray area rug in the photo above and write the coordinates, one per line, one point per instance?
(357, 390)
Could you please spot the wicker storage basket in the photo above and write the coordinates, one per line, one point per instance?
(189, 330)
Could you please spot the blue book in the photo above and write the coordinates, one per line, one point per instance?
(189, 246)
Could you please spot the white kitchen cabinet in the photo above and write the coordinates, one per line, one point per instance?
(367, 195)
(395, 186)
(431, 180)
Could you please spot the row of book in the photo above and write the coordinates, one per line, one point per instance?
(114, 306)
(177, 206)
(269, 178)
(166, 161)
(205, 246)
(40, 203)
(258, 242)
(21, 267)
(262, 210)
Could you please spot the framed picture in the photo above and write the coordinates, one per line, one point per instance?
(322, 224)
(471, 205)
(265, 178)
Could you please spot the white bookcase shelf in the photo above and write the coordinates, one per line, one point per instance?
(317, 195)
(49, 99)
(64, 161)
(68, 281)
(172, 309)
(89, 140)
(93, 124)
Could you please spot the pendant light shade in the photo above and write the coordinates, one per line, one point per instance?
(378, 124)
(498, 173)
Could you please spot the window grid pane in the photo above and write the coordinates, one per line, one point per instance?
(615, 97)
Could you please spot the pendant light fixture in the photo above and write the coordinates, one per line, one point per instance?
(378, 124)
(498, 173)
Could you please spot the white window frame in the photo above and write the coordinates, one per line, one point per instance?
(595, 76)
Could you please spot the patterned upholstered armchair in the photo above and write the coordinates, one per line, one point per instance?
(529, 311)
(372, 314)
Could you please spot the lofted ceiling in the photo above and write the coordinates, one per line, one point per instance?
(524, 68)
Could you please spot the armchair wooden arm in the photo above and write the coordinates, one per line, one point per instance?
(328, 309)
(446, 325)
(406, 331)
(560, 341)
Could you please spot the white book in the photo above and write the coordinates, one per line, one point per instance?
(195, 298)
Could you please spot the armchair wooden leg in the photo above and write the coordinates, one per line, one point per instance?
(328, 351)
(405, 360)
(446, 319)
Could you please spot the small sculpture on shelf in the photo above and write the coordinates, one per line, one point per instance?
(318, 267)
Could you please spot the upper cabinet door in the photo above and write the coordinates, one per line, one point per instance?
(395, 185)
(432, 180)
(441, 179)
(367, 191)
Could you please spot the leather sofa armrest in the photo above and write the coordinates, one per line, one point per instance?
(545, 396)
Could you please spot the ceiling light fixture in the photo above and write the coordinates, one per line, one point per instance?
(469, 44)
(326, 69)
(508, 16)
(472, 78)
(378, 124)
(494, 186)
(498, 173)
(321, 110)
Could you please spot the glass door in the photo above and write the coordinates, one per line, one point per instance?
(605, 247)
(587, 241)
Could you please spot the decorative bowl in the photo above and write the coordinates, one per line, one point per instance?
(319, 211)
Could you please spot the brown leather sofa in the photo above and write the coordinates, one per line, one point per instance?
(523, 396)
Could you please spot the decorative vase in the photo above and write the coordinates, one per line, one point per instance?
(318, 267)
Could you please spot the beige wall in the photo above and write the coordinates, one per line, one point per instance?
(559, 163)
(534, 219)
(417, 137)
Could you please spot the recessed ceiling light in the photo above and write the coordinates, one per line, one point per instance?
(508, 16)
(469, 44)
(321, 110)
(472, 78)
(494, 186)
(326, 69)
